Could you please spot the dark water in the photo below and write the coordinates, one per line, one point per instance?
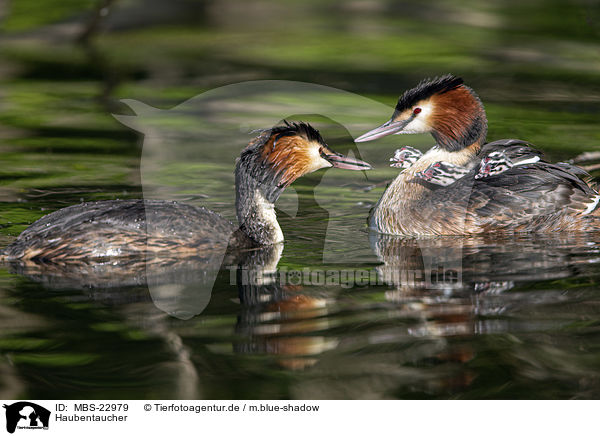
(336, 312)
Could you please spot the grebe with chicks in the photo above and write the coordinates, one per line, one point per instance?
(533, 196)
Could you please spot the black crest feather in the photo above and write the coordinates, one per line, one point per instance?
(254, 165)
(426, 89)
(303, 129)
(292, 129)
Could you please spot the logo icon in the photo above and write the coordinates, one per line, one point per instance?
(26, 415)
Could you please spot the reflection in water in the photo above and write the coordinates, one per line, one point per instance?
(464, 262)
(460, 287)
(445, 317)
(457, 280)
(281, 320)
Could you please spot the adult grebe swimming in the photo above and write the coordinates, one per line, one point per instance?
(113, 229)
(533, 196)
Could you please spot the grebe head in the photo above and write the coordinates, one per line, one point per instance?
(444, 107)
(282, 154)
(270, 163)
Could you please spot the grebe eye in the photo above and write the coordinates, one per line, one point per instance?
(417, 110)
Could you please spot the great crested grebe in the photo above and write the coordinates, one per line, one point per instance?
(121, 228)
(533, 197)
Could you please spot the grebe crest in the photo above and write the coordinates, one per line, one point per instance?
(444, 107)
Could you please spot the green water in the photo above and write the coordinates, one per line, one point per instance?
(521, 321)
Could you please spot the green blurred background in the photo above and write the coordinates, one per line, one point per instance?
(64, 64)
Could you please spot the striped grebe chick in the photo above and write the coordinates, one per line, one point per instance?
(442, 173)
(122, 228)
(445, 173)
(534, 197)
(497, 162)
(405, 157)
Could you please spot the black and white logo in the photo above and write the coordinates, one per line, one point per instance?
(26, 415)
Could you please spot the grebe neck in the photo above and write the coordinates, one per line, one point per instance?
(460, 121)
(257, 189)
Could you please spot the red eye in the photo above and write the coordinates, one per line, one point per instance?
(417, 110)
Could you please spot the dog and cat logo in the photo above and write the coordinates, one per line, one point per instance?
(26, 415)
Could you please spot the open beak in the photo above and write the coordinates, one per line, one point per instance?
(389, 128)
(338, 160)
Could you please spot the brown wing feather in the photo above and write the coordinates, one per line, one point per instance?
(536, 197)
(122, 228)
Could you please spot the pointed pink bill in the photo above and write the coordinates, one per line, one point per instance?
(338, 160)
(385, 129)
